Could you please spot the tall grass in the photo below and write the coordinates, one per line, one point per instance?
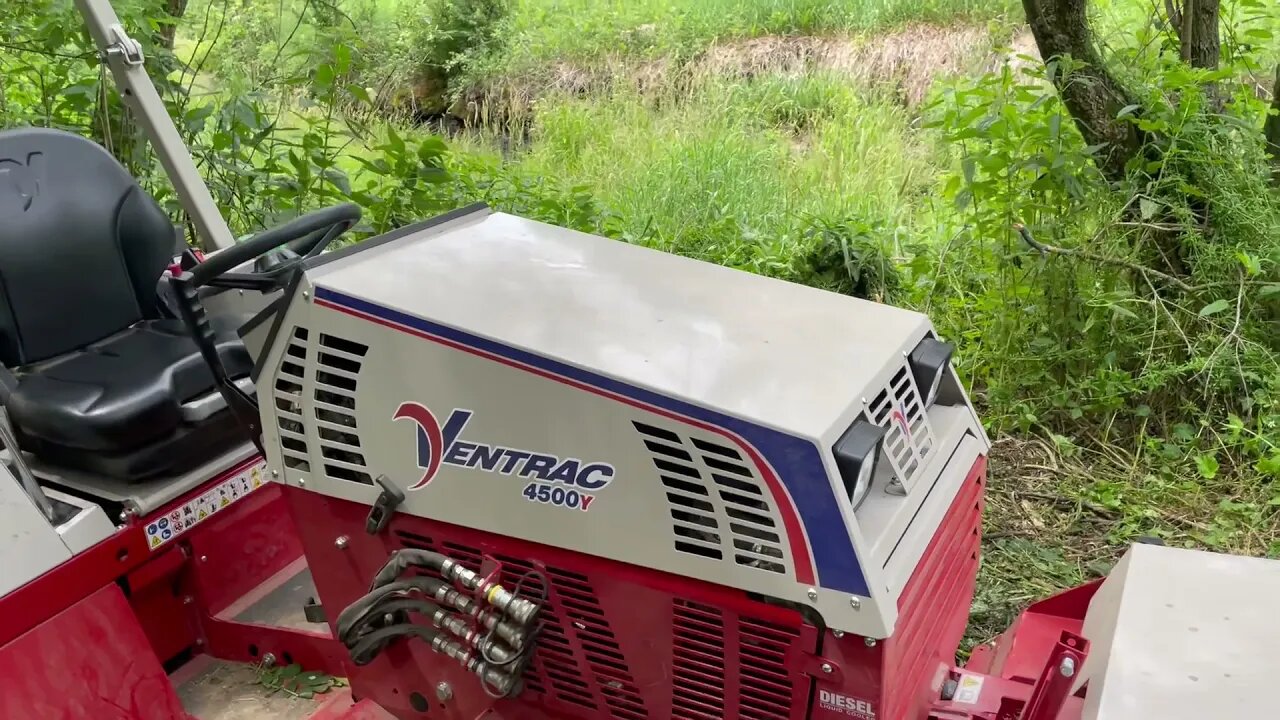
(588, 30)
(735, 171)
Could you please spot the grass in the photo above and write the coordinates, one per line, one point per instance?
(762, 155)
(589, 30)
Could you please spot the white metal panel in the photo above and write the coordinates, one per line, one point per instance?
(899, 544)
(1183, 635)
(782, 354)
(87, 528)
(632, 519)
(29, 545)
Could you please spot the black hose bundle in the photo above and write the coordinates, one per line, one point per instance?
(383, 615)
(402, 560)
(377, 619)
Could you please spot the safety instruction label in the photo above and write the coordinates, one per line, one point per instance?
(182, 518)
(969, 689)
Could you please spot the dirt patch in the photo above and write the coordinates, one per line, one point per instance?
(230, 691)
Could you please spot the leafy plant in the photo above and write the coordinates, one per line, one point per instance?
(294, 681)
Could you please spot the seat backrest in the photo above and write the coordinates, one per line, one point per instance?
(82, 247)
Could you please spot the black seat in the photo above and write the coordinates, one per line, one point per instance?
(98, 375)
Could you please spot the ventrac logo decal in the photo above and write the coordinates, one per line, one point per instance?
(564, 482)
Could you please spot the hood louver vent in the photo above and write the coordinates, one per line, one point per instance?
(290, 377)
(909, 436)
(717, 503)
(337, 374)
(315, 406)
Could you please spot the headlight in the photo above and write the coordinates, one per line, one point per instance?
(857, 453)
(929, 363)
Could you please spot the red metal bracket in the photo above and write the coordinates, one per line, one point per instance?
(490, 574)
(1056, 680)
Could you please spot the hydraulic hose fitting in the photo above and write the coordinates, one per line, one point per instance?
(491, 650)
(453, 571)
(501, 683)
(492, 676)
(451, 649)
(515, 607)
(448, 596)
(512, 635)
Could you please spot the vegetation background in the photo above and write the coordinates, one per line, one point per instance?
(1118, 320)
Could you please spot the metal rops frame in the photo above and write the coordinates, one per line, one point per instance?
(123, 55)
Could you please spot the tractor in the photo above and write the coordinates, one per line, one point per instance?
(484, 468)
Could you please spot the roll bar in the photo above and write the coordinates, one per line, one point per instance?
(123, 55)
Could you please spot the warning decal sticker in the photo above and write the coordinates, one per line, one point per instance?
(969, 689)
(182, 518)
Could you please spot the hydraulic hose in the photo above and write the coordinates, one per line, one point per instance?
(485, 644)
(402, 560)
(366, 644)
(361, 619)
(369, 646)
(518, 609)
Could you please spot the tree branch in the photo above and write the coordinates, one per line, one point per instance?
(1045, 249)
(1187, 29)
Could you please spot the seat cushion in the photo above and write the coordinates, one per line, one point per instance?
(120, 393)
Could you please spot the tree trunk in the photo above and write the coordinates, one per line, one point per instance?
(1197, 26)
(1271, 130)
(1091, 94)
(175, 9)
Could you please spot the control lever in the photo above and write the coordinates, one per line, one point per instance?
(384, 507)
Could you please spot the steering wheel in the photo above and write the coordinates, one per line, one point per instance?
(298, 240)
(310, 234)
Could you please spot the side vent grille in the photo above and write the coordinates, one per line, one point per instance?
(717, 502)
(768, 688)
(751, 655)
(689, 499)
(290, 376)
(337, 372)
(932, 608)
(698, 664)
(909, 439)
(751, 523)
(576, 599)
